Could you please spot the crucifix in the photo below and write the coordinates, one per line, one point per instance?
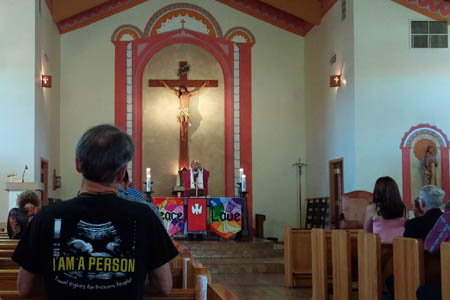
(183, 111)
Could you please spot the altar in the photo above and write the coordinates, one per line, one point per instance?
(199, 215)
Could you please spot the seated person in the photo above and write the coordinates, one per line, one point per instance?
(430, 201)
(18, 218)
(96, 245)
(196, 177)
(128, 192)
(438, 234)
(385, 215)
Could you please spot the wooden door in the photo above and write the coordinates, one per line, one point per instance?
(44, 180)
(336, 174)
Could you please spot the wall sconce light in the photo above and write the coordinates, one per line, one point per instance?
(46, 81)
(335, 80)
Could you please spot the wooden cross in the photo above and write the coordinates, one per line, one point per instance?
(183, 80)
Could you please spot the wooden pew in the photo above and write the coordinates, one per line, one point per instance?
(6, 253)
(342, 264)
(369, 266)
(7, 263)
(408, 267)
(445, 270)
(297, 254)
(319, 264)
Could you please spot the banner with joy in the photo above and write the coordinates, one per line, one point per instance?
(172, 213)
(226, 216)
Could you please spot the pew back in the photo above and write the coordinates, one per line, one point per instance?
(408, 267)
(319, 264)
(342, 264)
(369, 266)
(445, 267)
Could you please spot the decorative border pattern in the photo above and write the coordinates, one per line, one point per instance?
(95, 14)
(126, 29)
(231, 33)
(435, 9)
(405, 146)
(164, 13)
(271, 15)
(174, 13)
(254, 8)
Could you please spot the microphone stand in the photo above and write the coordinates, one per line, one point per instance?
(23, 174)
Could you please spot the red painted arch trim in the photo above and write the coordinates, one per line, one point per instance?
(222, 49)
(245, 125)
(120, 85)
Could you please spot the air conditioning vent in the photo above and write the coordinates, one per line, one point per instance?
(429, 34)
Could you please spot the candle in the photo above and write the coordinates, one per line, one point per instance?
(241, 172)
(243, 183)
(148, 181)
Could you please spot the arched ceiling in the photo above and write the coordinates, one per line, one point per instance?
(296, 16)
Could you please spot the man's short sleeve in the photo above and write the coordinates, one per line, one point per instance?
(30, 247)
(161, 248)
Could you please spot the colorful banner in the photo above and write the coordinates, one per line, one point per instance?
(196, 209)
(226, 216)
(172, 213)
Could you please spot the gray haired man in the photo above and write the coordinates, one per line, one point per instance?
(430, 201)
(96, 245)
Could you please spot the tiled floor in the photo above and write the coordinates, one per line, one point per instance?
(260, 286)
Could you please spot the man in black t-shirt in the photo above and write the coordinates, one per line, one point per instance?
(96, 245)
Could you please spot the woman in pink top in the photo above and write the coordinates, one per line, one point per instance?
(385, 216)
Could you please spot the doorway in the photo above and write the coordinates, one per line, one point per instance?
(336, 175)
(44, 180)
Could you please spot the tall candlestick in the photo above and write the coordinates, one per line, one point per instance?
(148, 181)
(241, 172)
(243, 183)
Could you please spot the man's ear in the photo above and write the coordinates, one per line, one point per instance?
(421, 204)
(121, 174)
(77, 165)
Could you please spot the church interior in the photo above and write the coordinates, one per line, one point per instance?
(293, 106)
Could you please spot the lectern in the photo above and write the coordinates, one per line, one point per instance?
(15, 188)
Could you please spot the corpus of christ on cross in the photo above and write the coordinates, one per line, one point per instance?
(183, 81)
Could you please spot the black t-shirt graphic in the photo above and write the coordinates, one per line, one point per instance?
(94, 247)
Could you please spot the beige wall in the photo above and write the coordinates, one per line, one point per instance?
(398, 87)
(17, 81)
(47, 99)
(160, 135)
(87, 98)
(331, 111)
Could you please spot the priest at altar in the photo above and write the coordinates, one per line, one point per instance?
(195, 180)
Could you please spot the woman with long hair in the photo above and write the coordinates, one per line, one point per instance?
(385, 216)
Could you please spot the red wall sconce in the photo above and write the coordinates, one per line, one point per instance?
(46, 81)
(335, 80)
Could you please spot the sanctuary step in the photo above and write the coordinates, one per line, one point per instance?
(229, 256)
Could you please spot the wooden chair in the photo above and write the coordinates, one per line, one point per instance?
(319, 264)
(408, 267)
(369, 266)
(352, 209)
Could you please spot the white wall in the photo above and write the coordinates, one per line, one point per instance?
(87, 99)
(396, 88)
(330, 111)
(47, 99)
(17, 120)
